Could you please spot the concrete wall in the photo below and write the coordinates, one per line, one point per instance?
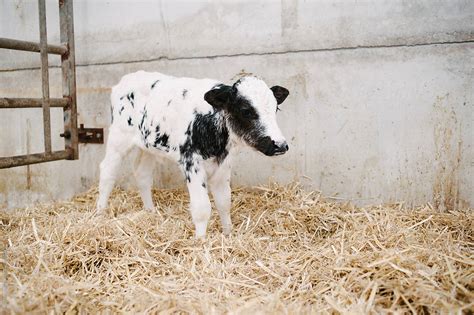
(381, 104)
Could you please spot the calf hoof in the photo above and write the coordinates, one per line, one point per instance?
(151, 210)
(101, 211)
(227, 230)
(200, 239)
(200, 230)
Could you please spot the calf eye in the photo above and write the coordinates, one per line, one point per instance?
(246, 113)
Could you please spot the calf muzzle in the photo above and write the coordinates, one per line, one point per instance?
(275, 148)
(279, 148)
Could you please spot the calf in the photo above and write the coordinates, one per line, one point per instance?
(198, 124)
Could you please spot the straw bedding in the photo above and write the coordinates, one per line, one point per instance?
(291, 252)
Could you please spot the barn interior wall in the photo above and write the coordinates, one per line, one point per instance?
(381, 103)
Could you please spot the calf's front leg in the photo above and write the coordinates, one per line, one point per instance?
(200, 206)
(219, 185)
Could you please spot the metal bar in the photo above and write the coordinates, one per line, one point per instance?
(68, 67)
(68, 102)
(32, 102)
(14, 44)
(44, 75)
(20, 160)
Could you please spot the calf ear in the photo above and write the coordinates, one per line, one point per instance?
(280, 93)
(220, 96)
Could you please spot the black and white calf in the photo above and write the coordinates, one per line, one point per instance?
(198, 124)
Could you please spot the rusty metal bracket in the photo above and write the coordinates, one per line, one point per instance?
(90, 135)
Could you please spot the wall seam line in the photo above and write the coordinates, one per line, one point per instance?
(256, 54)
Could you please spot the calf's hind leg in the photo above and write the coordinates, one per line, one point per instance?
(144, 166)
(118, 146)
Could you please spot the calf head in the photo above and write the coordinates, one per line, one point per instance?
(250, 108)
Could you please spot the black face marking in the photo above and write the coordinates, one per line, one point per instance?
(169, 102)
(244, 111)
(184, 93)
(241, 115)
(244, 120)
(203, 185)
(154, 83)
(121, 110)
(129, 121)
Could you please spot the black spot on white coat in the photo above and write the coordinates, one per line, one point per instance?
(154, 83)
(208, 137)
(145, 132)
(131, 98)
(161, 139)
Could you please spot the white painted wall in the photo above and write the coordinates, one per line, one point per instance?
(381, 104)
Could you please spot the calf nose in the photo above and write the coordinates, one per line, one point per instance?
(280, 148)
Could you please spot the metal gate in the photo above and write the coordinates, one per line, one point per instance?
(67, 102)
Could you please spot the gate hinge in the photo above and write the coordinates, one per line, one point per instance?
(90, 135)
